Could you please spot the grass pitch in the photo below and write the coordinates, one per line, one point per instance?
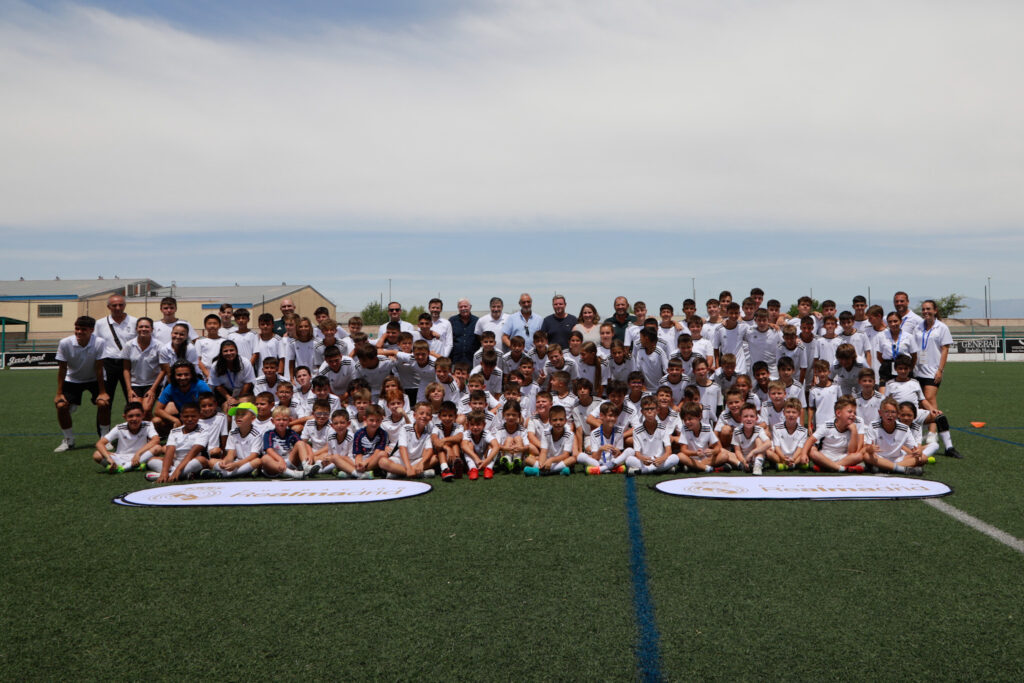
(512, 578)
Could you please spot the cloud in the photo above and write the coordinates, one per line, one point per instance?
(580, 115)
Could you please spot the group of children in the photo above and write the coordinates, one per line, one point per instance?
(744, 394)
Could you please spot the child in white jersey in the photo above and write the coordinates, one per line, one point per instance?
(699, 448)
(607, 446)
(891, 445)
(555, 455)
(749, 442)
(134, 442)
(652, 443)
(790, 442)
(182, 454)
(242, 451)
(479, 446)
(836, 446)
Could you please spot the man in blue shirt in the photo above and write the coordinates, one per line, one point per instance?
(522, 324)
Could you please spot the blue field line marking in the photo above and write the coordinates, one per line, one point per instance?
(986, 436)
(648, 655)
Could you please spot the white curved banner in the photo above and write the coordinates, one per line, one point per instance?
(274, 492)
(816, 487)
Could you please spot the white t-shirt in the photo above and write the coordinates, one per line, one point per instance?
(183, 442)
(598, 438)
(859, 341)
(81, 360)
(317, 436)
(482, 445)
(416, 445)
(207, 349)
(748, 443)
(651, 444)
(710, 397)
(833, 443)
(732, 341)
(867, 409)
(162, 330)
(245, 341)
(234, 381)
(890, 445)
(905, 391)
(496, 326)
(556, 447)
(126, 443)
(846, 379)
(788, 442)
(930, 342)
(339, 380)
(269, 348)
(653, 365)
(823, 400)
(342, 446)
(216, 426)
(764, 346)
(169, 357)
(697, 442)
(244, 446)
(618, 372)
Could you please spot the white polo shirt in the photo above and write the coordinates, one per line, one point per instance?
(125, 333)
(81, 360)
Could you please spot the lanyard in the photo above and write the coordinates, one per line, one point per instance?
(896, 345)
(924, 336)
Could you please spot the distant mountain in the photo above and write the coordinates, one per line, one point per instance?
(975, 307)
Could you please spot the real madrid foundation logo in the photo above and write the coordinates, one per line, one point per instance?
(273, 492)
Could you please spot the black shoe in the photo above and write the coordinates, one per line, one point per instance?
(953, 453)
(517, 466)
(915, 471)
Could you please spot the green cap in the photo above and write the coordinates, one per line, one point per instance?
(243, 406)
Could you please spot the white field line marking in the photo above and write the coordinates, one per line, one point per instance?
(976, 524)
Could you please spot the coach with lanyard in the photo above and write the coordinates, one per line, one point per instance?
(116, 330)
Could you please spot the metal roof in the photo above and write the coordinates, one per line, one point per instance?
(248, 294)
(81, 289)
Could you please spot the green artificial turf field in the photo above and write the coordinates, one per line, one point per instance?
(585, 578)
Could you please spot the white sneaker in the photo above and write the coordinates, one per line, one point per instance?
(152, 476)
(292, 474)
(65, 445)
(427, 474)
(758, 467)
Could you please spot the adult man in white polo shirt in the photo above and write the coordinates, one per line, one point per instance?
(495, 322)
(395, 316)
(80, 369)
(911, 320)
(116, 330)
(441, 327)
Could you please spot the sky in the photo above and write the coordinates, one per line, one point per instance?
(593, 148)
